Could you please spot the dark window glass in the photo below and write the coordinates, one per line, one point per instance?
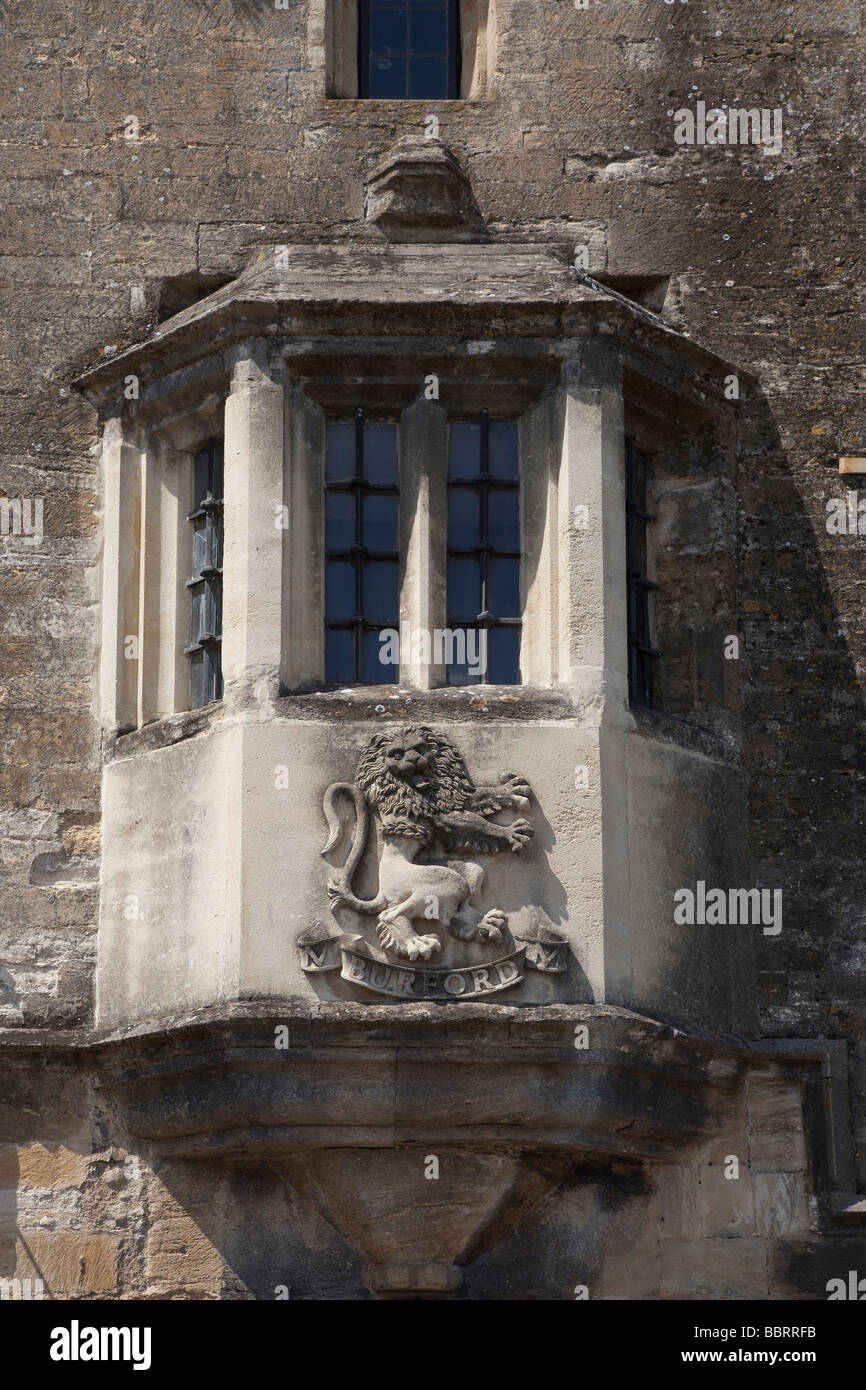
(409, 49)
(484, 550)
(206, 584)
(361, 550)
(641, 652)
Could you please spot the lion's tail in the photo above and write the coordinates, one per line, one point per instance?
(340, 890)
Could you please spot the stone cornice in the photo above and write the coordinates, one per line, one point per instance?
(457, 292)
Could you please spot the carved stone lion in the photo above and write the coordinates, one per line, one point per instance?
(417, 785)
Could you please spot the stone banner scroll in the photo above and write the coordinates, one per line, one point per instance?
(356, 961)
(352, 956)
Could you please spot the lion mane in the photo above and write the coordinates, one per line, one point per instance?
(405, 810)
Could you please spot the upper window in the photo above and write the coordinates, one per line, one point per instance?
(641, 652)
(361, 549)
(409, 48)
(206, 585)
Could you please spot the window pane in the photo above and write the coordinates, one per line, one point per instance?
(200, 555)
(374, 671)
(209, 612)
(464, 451)
(197, 613)
(380, 454)
(198, 679)
(340, 452)
(339, 591)
(380, 522)
(339, 656)
(387, 31)
(429, 32)
(387, 77)
(216, 673)
(638, 481)
(428, 77)
(503, 656)
(503, 520)
(637, 544)
(503, 450)
(503, 588)
(217, 473)
(202, 478)
(215, 615)
(459, 672)
(641, 617)
(339, 520)
(464, 519)
(217, 540)
(381, 598)
(464, 588)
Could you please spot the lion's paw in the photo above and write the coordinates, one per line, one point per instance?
(520, 832)
(404, 942)
(492, 925)
(422, 946)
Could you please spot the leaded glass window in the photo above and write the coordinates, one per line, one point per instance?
(361, 550)
(409, 49)
(641, 652)
(484, 549)
(206, 585)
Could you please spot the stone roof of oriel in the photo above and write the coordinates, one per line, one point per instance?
(396, 282)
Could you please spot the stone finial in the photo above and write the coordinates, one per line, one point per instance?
(420, 193)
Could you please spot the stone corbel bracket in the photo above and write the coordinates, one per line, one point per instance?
(344, 1101)
(420, 193)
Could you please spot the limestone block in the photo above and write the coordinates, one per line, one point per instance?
(714, 1268)
(71, 1263)
(180, 1255)
(776, 1141)
(726, 1205)
(44, 1165)
(781, 1203)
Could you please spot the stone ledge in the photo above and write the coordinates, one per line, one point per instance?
(215, 1082)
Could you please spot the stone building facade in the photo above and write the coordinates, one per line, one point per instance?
(571, 1003)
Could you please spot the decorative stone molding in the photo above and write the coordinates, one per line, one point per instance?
(420, 193)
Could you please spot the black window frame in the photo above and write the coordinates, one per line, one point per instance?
(484, 485)
(208, 506)
(642, 652)
(455, 56)
(360, 486)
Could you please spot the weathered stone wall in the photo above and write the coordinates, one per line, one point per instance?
(237, 145)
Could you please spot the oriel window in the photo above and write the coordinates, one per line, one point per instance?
(641, 652)
(206, 585)
(409, 49)
(484, 550)
(361, 550)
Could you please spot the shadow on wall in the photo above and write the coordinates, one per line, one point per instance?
(567, 1222)
(744, 553)
(269, 1242)
(804, 740)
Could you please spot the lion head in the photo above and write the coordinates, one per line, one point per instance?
(411, 774)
